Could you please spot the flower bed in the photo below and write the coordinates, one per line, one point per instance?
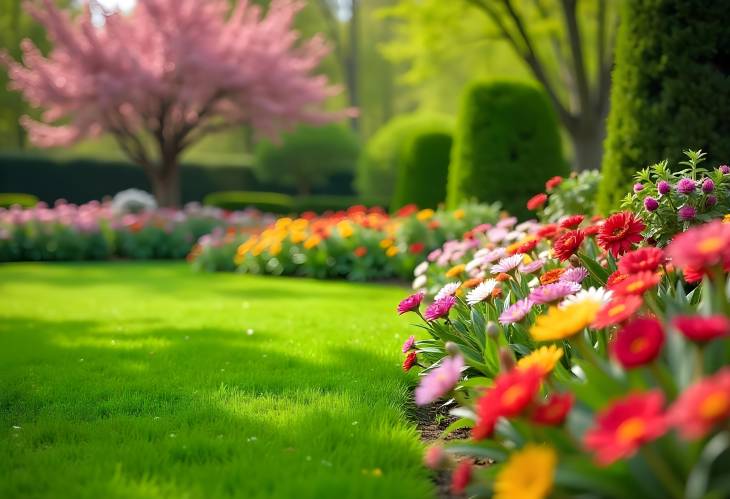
(359, 244)
(95, 231)
(582, 359)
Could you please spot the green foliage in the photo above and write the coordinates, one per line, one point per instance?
(271, 202)
(423, 170)
(576, 195)
(307, 157)
(671, 88)
(377, 168)
(506, 145)
(322, 203)
(14, 198)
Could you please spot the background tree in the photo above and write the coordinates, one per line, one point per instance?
(566, 45)
(164, 76)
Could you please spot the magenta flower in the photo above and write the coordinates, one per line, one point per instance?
(663, 187)
(508, 263)
(410, 304)
(638, 187)
(516, 312)
(724, 169)
(439, 381)
(710, 201)
(574, 274)
(651, 204)
(686, 186)
(439, 308)
(708, 186)
(553, 292)
(409, 344)
(687, 212)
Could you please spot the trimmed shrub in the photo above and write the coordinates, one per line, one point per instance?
(377, 168)
(671, 89)
(271, 202)
(324, 203)
(506, 145)
(307, 157)
(423, 170)
(13, 198)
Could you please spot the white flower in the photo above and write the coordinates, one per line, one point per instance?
(419, 282)
(133, 201)
(474, 264)
(448, 290)
(508, 263)
(421, 268)
(597, 295)
(481, 292)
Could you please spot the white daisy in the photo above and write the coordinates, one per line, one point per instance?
(449, 289)
(421, 268)
(508, 263)
(597, 295)
(419, 282)
(481, 292)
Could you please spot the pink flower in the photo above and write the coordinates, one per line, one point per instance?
(439, 381)
(435, 457)
(702, 406)
(516, 312)
(409, 343)
(508, 263)
(553, 292)
(574, 274)
(533, 266)
(439, 308)
(702, 328)
(410, 304)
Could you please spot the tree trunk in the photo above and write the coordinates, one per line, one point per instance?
(588, 145)
(352, 60)
(166, 185)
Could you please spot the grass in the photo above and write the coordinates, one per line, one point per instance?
(142, 380)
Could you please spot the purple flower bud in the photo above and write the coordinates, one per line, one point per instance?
(687, 212)
(708, 186)
(686, 186)
(724, 169)
(651, 204)
(663, 187)
(710, 201)
(638, 187)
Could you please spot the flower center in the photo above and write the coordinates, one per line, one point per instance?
(619, 231)
(630, 430)
(715, 405)
(710, 245)
(638, 345)
(635, 286)
(512, 393)
(614, 311)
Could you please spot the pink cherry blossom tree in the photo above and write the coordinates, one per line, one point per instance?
(163, 76)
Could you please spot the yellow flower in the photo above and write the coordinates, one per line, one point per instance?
(298, 236)
(726, 219)
(424, 215)
(459, 214)
(544, 357)
(275, 248)
(386, 243)
(312, 241)
(283, 223)
(345, 229)
(392, 251)
(561, 323)
(299, 224)
(528, 474)
(456, 270)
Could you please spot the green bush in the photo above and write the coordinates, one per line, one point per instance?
(423, 170)
(271, 202)
(307, 157)
(671, 88)
(323, 203)
(377, 168)
(12, 198)
(506, 145)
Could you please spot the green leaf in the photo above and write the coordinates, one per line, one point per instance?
(699, 477)
(485, 449)
(457, 425)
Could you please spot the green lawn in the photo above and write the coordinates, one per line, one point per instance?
(142, 380)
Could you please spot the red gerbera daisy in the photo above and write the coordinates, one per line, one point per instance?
(591, 230)
(537, 201)
(461, 476)
(409, 361)
(638, 342)
(567, 244)
(702, 248)
(702, 328)
(702, 406)
(637, 284)
(513, 391)
(620, 232)
(487, 414)
(640, 260)
(572, 221)
(627, 424)
(554, 410)
(525, 247)
(553, 183)
(617, 311)
(548, 231)
(614, 279)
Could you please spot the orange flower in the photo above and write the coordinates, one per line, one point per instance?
(552, 276)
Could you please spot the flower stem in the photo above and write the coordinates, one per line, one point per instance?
(664, 380)
(665, 475)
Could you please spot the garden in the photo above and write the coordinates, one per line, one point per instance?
(343, 249)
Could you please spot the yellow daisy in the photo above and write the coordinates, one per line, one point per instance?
(456, 270)
(560, 323)
(544, 357)
(528, 474)
(424, 215)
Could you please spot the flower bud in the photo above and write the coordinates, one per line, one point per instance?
(506, 359)
(435, 458)
(574, 260)
(492, 329)
(724, 169)
(452, 349)
(710, 201)
(638, 187)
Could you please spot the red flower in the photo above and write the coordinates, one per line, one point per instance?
(620, 232)
(591, 230)
(548, 231)
(407, 210)
(416, 248)
(461, 476)
(614, 279)
(487, 414)
(553, 183)
(409, 361)
(623, 427)
(617, 311)
(554, 410)
(640, 260)
(434, 224)
(525, 247)
(360, 251)
(567, 244)
(702, 406)
(572, 221)
(638, 342)
(537, 201)
(702, 248)
(513, 391)
(637, 284)
(702, 328)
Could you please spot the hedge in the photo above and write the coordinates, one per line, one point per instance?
(671, 88)
(281, 203)
(8, 199)
(506, 145)
(423, 170)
